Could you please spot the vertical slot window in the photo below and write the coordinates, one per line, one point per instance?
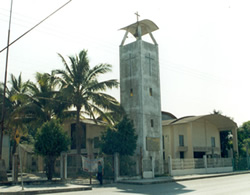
(150, 91)
(131, 92)
(152, 122)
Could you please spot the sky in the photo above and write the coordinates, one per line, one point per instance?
(204, 46)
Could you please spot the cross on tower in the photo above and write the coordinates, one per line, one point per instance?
(130, 63)
(137, 16)
(149, 63)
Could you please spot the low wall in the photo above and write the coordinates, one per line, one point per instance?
(201, 171)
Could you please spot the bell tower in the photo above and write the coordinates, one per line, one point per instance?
(140, 94)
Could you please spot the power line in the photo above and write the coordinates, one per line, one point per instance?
(35, 26)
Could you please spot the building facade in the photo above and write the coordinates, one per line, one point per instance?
(196, 136)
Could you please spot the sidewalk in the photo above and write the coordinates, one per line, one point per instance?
(77, 184)
(43, 188)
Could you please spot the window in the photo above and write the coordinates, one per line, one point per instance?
(213, 141)
(181, 140)
(163, 144)
(131, 92)
(152, 122)
(181, 155)
(150, 91)
(74, 136)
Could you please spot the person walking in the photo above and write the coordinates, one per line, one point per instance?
(100, 172)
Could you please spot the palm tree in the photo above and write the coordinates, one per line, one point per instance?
(13, 102)
(80, 87)
(43, 101)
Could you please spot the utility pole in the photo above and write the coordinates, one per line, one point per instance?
(3, 173)
(5, 81)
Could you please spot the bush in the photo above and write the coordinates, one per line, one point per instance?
(121, 138)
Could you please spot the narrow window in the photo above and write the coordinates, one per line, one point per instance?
(131, 92)
(150, 91)
(152, 123)
(163, 143)
(181, 140)
(213, 141)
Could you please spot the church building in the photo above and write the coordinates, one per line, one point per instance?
(160, 134)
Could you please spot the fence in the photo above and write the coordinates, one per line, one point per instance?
(219, 162)
(241, 163)
(187, 164)
(198, 166)
(87, 168)
(129, 166)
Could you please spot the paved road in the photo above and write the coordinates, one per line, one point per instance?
(229, 185)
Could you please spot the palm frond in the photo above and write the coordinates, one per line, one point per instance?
(66, 65)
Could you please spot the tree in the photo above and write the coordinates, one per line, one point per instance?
(225, 142)
(81, 89)
(50, 142)
(15, 94)
(217, 112)
(244, 138)
(120, 138)
(44, 101)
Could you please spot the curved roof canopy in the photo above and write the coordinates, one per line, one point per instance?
(167, 116)
(147, 26)
(220, 121)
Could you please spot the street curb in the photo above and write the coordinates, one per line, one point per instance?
(135, 182)
(213, 176)
(40, 191)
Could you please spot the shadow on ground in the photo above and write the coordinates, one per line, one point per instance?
(151, 189)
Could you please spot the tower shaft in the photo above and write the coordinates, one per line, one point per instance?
(141, 99)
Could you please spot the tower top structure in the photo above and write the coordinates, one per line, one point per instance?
(139, 29)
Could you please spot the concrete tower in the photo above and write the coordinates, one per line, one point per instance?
(140, 94)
